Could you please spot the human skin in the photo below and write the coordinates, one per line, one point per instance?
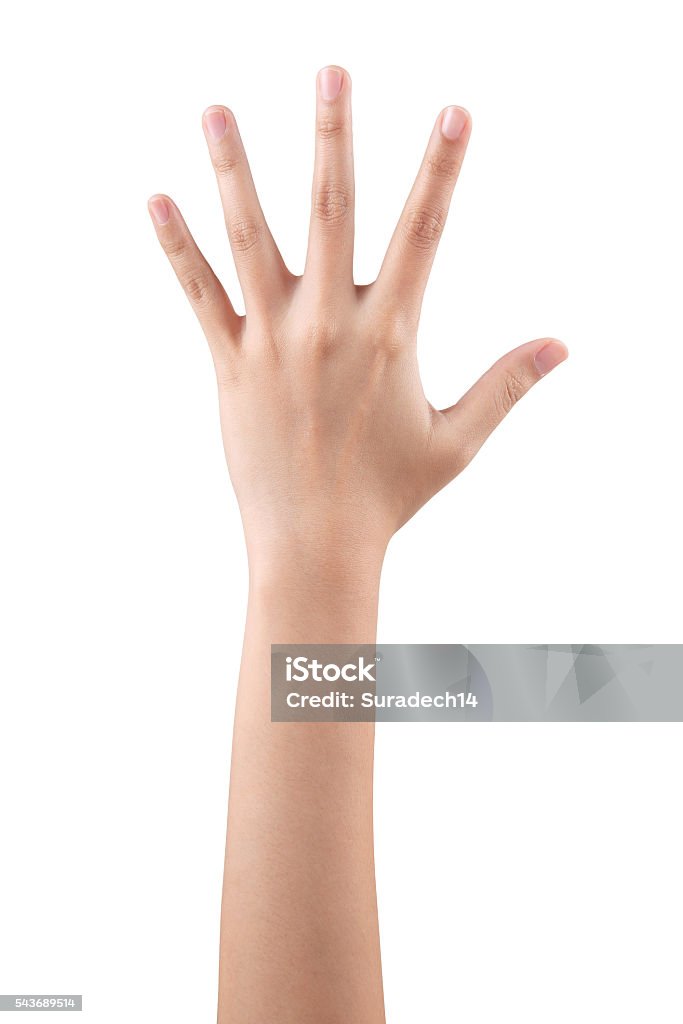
(331, 446)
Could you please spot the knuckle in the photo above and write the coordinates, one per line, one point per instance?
(329, 127)
(443, 165)
(456, 460)
(459, 452)
(197, 287)
(464, 456)
(423, 228)
(176, 249)
(321, 334)
(332, 203)
(244, 234)
(394, 332)
(388, 345)
(194, 279)
(512, 388)
(224, 163)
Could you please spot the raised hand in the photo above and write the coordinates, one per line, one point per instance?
(325, 423)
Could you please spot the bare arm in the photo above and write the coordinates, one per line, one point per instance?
(331, 446)
(299, 937)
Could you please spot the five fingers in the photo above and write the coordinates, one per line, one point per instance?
(329, 260)
(406, 266)
(468, 423)
(329, 263)
(200, 284)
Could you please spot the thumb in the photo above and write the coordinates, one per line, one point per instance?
(470, 421)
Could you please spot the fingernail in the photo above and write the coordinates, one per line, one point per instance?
(549, 356)
(160, 210)
(330, 83)
(453, 122)
(215, 123)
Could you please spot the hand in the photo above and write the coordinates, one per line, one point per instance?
(329, 438)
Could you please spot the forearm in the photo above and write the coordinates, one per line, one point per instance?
(299, 935)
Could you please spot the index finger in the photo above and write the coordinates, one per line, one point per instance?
(411, 251)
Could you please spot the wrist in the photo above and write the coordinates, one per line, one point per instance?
(323, 591)
(321, 560)
(293, 571)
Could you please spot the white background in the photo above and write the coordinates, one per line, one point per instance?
(527, 873)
